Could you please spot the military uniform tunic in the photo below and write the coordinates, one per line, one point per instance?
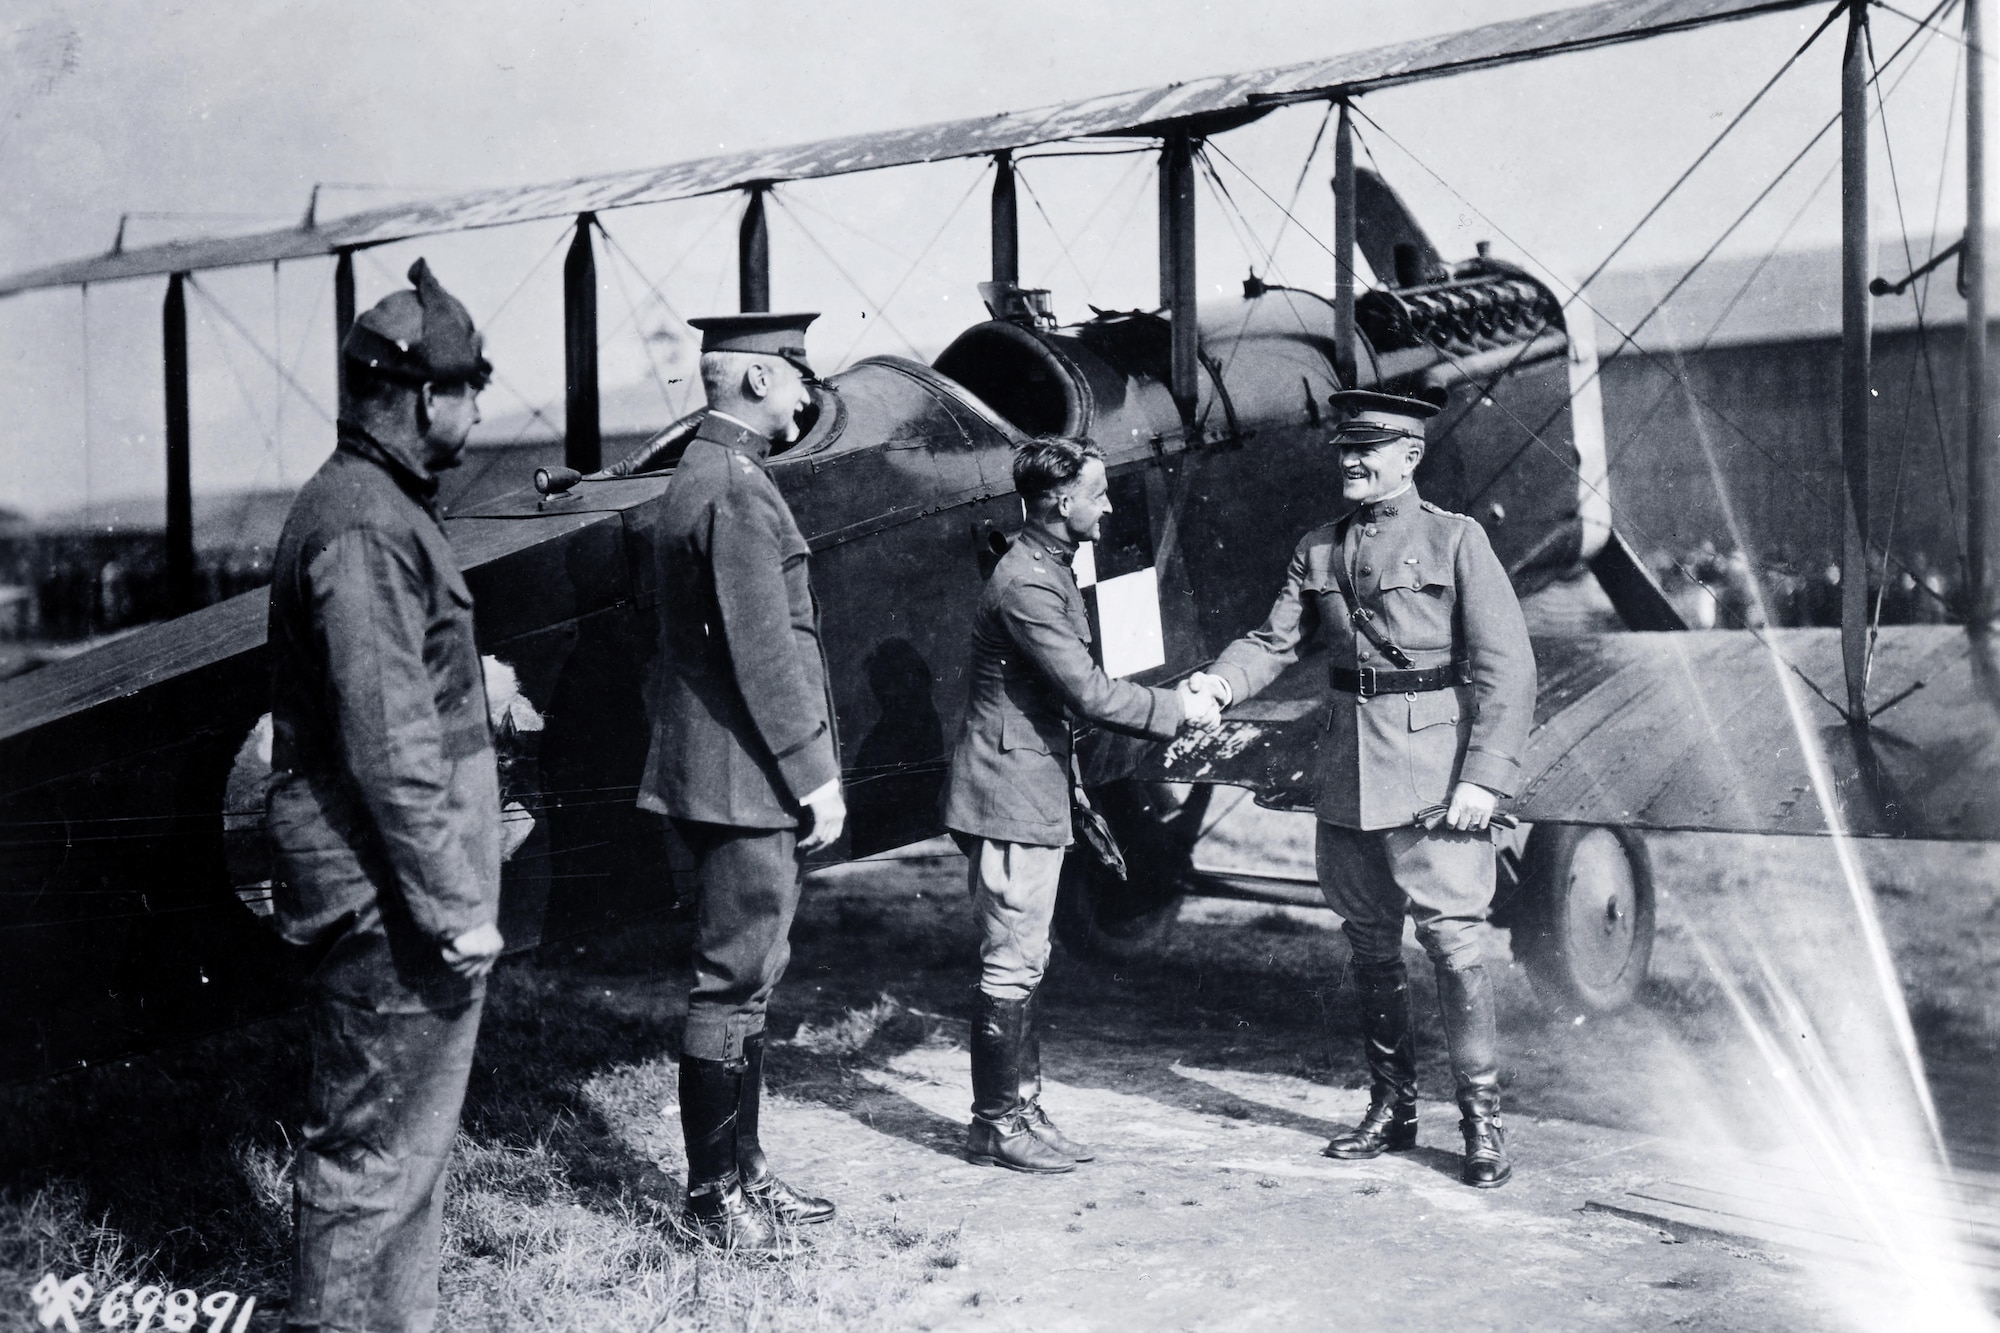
(743, 724)
(1006, 797)
(1436, 590)
(1031, 674)
(742, 718)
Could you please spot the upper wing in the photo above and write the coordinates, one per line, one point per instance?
(1202, 105)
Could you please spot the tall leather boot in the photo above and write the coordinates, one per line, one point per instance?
(718, 1212)
(1383, 990)
(1031, 1086)
(1466, 997)
(1000, 1134)
(760, 1182)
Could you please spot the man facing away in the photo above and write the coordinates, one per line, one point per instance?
(1432, 696)
(1007, 795)
(743, 758)
(384, 813)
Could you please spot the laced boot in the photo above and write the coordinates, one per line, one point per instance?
(718, 1213)
(760, 1182)
(1466, 997)
(1000, 1134)
(1383, 990)
(1031, 1087)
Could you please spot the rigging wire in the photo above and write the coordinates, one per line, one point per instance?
(1365, 284)
(1923, 343)
(249, 338)
(841, 269)
(615, 253)
(1089, 292)
(242, 385)
(1629, 337)
(1534, 438)
(918, 262)
(1299, 185)
(693, 247)
(827, 215)
(1932, 24)
(1707, 152)
(1090, 219)
(1112, 247)
(1246, 238)
(278, 384)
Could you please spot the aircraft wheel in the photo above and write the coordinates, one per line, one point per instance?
(1587, 933)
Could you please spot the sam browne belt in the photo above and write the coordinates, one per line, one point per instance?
(1368, 681)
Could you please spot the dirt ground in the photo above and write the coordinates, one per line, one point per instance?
(1210, 1072)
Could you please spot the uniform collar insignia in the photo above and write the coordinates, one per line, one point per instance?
(725, 430)
(1389, 508)
(1062, 552)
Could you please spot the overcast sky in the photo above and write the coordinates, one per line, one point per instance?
(224, 114)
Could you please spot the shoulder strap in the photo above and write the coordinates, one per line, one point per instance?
(1361, 616)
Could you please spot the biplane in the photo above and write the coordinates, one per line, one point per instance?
(129, 794)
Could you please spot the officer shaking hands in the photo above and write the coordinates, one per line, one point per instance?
(1007, 794)
(743, 757)
(1432, 694)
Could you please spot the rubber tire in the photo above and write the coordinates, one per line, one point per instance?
(1100, 916)
(1572, 965)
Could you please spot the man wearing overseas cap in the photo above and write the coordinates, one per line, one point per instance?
(1432, 694)
(384, 813)
(743, 758)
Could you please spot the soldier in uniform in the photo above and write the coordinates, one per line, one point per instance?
(384, 814)
(1432, 697)
(1007, 795)
(743, 756)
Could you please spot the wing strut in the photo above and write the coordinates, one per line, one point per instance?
(1343, 248)
(583, 447)
(180, 489)
(1856, 328)
(1006, 222)
(343, 320)
(1177, 268)
(1980, 553)
(753, 252)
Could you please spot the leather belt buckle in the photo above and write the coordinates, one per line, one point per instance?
(1364, 682)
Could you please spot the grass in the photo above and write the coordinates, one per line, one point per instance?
(176, 1168)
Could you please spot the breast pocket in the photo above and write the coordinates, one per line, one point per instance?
(1417, 602)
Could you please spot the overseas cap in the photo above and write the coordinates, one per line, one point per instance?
(760, 333)
(419, 336)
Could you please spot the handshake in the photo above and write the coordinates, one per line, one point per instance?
(1203, 697)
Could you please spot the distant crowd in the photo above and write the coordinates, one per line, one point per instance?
(1725, 589)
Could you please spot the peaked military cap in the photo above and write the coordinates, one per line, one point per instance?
(761, 333)
(1429, 404)
(419, 336)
